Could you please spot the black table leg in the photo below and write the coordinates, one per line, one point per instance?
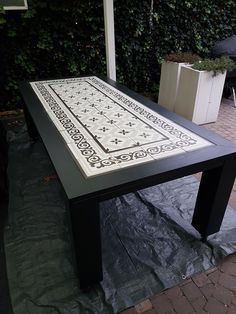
(32, 130)
(213, 195)
(85, 221)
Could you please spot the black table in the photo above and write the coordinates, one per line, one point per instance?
(85, 189)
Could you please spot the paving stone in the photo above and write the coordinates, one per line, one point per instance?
(231, 258)
(182, 306)
(214, 276)
(173, 293)
(228, 281)
(229, 268)
(234, 300)
(208, 290)
(201, 279)
(213, 306)
(232, 200)
(191, 291)
(211, 270)
(231, 310)
(223, 295)
(185, 282)
(198, 304)
(151, 312)
(129, 311)
(162, 304)
(143, 306)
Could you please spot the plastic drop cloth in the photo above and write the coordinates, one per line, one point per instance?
(148, 243)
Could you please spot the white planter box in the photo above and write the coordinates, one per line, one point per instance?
(169, 81)
(199, 95)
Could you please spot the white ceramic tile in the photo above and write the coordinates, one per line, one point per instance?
(165, 126)
(89, 162)
(119, 131)
(83, 110)
(131, 157)
(41, 98)
(118, 114)
(69, 122)
(67, 137)
(162, 150)
(58, 124)
(145, 136)
(195, 146)
(93, 121)
(52, 115)
(113, 140)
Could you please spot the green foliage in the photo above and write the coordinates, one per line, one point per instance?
(56, 39)
(2, 17)
(52, 39)
(172, 26)
(217, 65)
(186, 57)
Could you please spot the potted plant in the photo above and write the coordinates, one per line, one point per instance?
(169, 81)
(200, 89)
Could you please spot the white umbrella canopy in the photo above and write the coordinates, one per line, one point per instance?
(110, 38)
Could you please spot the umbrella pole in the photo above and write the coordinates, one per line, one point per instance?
(110, 38)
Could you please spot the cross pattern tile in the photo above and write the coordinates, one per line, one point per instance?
(106, 130)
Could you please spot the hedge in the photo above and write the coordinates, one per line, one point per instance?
(66, 38)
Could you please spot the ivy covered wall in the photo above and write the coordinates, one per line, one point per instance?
(66, 38)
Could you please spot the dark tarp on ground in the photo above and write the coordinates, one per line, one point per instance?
(148, 243)
(5, 303)
(3, 162)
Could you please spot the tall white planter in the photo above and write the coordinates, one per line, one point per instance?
(169, 81)
(199, 95)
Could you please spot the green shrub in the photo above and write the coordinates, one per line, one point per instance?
(56, 39)
(217, 65)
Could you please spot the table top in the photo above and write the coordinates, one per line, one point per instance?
(106, 130)
(114, 137)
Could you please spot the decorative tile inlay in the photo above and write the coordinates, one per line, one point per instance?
(106, 130)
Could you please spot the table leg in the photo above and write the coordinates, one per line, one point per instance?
(32, 130)
(213, 195)
(85, 221)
